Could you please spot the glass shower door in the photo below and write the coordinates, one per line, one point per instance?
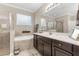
(4, 33)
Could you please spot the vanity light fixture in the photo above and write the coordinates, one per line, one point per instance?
(51, 6)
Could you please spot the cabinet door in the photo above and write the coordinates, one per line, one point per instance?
(40, 47)
(52, 47)
(59, 52)
(76, 50)
(47, 49)
(35, 41)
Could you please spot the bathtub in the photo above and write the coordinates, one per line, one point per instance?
(21, 38)
(24, 42)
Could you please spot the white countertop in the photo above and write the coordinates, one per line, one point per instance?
(59, 36)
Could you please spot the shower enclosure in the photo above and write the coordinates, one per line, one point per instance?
(4, 33)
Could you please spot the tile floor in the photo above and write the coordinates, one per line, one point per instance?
(30, 52)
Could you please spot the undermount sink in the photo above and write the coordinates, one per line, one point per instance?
(46, 33)
(50, 33)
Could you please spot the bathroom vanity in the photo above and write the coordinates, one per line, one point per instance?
(56, 44)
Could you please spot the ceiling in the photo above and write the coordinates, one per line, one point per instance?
(31, 7)
(63, 9)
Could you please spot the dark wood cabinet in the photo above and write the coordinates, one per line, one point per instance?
(40, 47)
(76, 50)
(44, 46)
(47, 49)
(51, 47)
(60, 52)
(35, 41)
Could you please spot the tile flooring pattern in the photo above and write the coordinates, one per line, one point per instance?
(29, 52)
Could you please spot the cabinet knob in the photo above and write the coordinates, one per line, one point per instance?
(60, 44)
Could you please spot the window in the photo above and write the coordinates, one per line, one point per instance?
(43, 24)
(50, 25)
(23, 20)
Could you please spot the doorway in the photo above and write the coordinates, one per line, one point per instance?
(59, 26)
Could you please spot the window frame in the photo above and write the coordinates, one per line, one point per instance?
(21, 24)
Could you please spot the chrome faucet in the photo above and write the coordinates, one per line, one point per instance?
(50, 33)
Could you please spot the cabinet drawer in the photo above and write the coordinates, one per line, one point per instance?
(60, 52)
(47, 40)
(63, 45)
(44, 39)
